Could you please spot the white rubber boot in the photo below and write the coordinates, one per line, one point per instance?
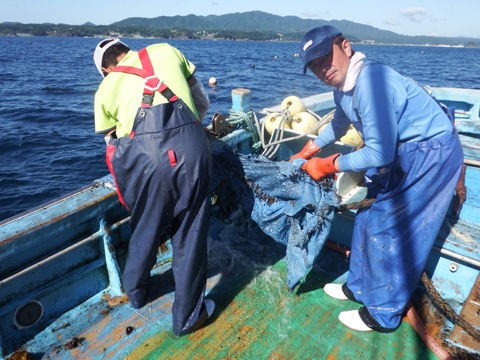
(353, 320)
(335, 291)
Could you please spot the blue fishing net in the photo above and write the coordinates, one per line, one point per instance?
(286, 203)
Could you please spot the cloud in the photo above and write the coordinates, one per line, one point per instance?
(415, 14)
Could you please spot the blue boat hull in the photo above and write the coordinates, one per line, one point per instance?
(66, 256)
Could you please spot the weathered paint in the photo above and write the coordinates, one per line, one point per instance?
(256, 316)
(470, 313)
(265, 321)
(55, 255)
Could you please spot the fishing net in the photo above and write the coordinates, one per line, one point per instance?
(282, 199)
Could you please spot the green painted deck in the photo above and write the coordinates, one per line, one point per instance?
(264, 321)
(256, 316)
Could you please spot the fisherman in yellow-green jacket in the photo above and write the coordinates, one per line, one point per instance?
(150, 107)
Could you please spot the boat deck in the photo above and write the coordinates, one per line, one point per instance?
(69, 254)
(256, 316)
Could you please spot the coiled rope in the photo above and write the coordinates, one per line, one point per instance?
(271, 147)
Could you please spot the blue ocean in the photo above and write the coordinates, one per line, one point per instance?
(48, 147)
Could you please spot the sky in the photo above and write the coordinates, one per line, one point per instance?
(420, 17)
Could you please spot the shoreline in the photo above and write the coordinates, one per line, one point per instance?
(368, 43)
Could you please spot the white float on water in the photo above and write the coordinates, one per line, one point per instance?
(212, 81)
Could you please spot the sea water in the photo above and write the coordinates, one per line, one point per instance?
(48, 147)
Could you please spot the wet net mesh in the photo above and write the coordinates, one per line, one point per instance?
(282, 199)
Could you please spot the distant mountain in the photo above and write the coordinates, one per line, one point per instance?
(251, 25)
(259, 21)
(247, 21)
(188, 22)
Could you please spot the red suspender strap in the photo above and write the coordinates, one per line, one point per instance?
(147, 98)
(146, 63)
(152, 82)
(130, 70)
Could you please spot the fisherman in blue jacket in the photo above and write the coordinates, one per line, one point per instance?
(412, 160)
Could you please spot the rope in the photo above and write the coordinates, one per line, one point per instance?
(417, 323)
(440, 303)
(269, 151)
(257, 130)
(444, 307)
(240, 117)
(277, 139)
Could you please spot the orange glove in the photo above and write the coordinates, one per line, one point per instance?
(308, 150)
(318, 168)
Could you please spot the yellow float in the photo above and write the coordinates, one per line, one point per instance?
(274, 121)
(292, 104)
(351, 137)
(305, 123)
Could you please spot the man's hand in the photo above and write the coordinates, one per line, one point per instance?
(318, 168)
(308, 150)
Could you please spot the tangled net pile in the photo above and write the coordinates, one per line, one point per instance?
(283, 200)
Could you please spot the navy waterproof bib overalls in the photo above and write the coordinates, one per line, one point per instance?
(392, 238)
(162, 174)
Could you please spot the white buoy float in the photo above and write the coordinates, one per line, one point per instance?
(293, 104)
(212, 81)
(305, 123)
(273, 121)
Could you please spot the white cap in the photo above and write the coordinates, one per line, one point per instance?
(100, 50)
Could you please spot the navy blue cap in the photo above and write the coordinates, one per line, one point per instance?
(317, 42)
